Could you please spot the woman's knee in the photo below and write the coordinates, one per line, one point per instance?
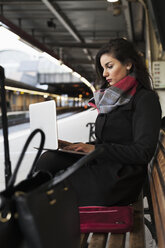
(46, 161)
(53, 161)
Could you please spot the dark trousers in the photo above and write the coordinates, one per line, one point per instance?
(85, 181)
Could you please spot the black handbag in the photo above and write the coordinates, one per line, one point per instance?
(41, 211)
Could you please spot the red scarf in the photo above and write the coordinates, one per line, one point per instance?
(116, 95)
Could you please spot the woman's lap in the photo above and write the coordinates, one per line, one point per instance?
(94, 183)
(87, 182)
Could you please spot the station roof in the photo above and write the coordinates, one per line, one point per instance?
(74, 30)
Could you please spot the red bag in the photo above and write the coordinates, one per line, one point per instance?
(106, 219)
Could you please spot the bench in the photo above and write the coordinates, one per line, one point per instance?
(92, 136)
(157, 188)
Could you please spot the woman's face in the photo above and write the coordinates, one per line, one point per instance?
(113, 70)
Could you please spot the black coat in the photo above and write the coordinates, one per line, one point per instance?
(129, 135)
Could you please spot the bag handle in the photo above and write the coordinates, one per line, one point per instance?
(5, 126)
(31, 136)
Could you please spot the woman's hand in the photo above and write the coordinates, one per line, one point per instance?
(63, 143)
(81, 147)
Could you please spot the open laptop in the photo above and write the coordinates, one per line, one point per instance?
(43, 116)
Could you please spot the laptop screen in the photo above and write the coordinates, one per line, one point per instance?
(43, 116)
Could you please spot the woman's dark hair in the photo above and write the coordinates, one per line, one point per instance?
(124, 51)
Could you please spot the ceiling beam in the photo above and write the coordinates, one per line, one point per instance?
(12, 2)
(45, 10)
(29, 2)
(78, 45)
(80, 61)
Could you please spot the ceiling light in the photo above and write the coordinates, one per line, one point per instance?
(51, 58)
(88, 83)
(66, 68)
(76, 74)
(6, 33)
(112, 1)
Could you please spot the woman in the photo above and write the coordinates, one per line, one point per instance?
(127, 126)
